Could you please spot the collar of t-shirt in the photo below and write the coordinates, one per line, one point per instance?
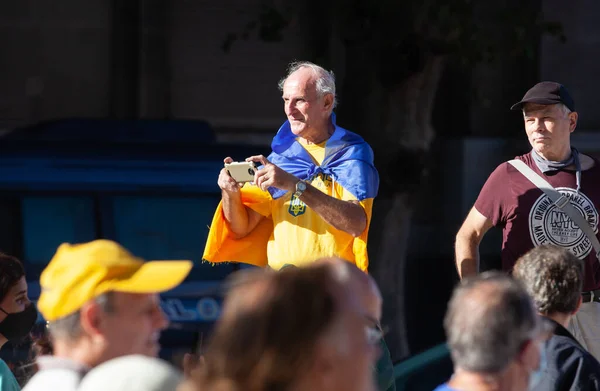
(316, 151)
(53, 362)
(549, 166)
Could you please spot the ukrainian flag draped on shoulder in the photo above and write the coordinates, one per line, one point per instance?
(349, 162)
(348, 159)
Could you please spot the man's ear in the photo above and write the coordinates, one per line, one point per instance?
(91, 318)
(528, 350)
(573, 117)
(323, 363)
(328, 102)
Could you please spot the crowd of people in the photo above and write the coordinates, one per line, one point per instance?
(310, 317)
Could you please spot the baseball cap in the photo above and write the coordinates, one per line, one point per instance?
(132, 373)
(546, 93)
(80, 272)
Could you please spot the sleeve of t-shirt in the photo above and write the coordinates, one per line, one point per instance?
(7, 379)
(343, 194)
(494, 201)
(367, 203)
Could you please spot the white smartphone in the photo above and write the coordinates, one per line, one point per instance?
(241, 171)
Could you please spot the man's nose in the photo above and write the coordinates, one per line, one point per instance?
(289, 108)
(539, 125)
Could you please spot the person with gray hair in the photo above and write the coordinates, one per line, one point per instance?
(312, 197)
(547, 196)
(100, 302)
(553, 277)
(495, 337)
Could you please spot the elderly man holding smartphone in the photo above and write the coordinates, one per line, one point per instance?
(310, 198)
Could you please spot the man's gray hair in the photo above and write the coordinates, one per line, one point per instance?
(565, 110)
(489, 318)
(325, 80)
(69, 327)
(553, 276)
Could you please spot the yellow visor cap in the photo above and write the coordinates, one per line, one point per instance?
(81, 272)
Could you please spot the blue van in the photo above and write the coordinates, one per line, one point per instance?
(149, 185)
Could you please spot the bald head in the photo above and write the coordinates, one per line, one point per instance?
(359, 282)
(323, 80)
(370, 294)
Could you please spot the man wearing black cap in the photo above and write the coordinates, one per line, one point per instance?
(528, 216)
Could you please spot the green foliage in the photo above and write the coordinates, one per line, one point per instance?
(403, 33)
(269, 26)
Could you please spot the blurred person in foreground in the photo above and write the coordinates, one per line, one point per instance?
(496, 338)
(132, 373)
(17, 314)
(371, 303)
(312, 197)
(101, 302)
(553, 276)
(298, 329)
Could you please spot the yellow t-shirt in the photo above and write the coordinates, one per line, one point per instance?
(316, 151)
(300, 235)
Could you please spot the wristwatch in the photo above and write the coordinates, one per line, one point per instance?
(300, 187)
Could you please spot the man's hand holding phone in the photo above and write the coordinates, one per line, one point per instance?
(235, 174)
(242, 172)
(225, 181)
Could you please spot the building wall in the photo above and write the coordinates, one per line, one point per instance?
(142, 58)
(54, 59)
(575, 63)
(163, 59)
(234, 89)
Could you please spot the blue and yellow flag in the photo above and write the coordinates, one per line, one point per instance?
(348, 160)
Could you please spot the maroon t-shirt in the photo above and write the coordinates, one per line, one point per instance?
(528, 218)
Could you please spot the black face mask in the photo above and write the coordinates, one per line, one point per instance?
(18, 324)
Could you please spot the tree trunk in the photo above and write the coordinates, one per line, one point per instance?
(396, 121)
(390, 230)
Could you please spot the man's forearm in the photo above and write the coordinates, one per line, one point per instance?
(467, 256)
(344, 215)
(235, 213)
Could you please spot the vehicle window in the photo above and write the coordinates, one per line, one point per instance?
(158, 228)
(49, 221)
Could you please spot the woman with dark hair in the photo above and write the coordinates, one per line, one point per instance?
(41, 345)
(17, 313)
